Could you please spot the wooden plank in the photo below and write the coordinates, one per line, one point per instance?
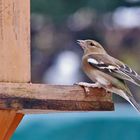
(14, 52)
(6, 122)
(38, 98)
(17, 118)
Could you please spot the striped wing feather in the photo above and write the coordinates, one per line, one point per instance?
(113, 67)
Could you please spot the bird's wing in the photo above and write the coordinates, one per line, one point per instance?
(113, 67)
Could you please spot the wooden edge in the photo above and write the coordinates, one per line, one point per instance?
(6, 120)
(40, 97)
(18, 117)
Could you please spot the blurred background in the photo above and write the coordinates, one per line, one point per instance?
(56, 59)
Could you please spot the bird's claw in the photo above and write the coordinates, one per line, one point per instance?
(89, 85)
(86, 86)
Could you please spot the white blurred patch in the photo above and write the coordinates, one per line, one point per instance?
(125, 17)
(65, 69)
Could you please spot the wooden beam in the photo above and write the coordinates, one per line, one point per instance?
(38, 98)
(14, 54)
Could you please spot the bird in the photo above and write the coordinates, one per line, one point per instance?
(107, 72)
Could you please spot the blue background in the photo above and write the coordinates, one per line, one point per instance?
(121, 124)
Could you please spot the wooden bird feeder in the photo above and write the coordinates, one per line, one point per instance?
(17, 95)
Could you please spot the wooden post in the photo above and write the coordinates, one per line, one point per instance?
(14, 54)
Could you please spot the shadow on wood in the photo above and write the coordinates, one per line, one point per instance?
(39, 98)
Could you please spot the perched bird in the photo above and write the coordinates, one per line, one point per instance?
(107, 72)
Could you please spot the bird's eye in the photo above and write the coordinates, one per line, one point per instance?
(91, 44)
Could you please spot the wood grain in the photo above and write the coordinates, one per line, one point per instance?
(6, 121)
(16, 120)
(14, 53)
(38, 98)
(14, 40)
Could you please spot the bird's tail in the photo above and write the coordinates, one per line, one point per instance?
(134, 103)
(130, 98)
(127, 96)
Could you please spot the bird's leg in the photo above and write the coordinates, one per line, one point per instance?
(86, 86)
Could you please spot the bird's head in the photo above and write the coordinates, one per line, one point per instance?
(91, 46)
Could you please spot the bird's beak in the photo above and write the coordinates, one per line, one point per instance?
(81, 43)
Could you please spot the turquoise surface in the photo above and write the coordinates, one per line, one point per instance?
(121, 124)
